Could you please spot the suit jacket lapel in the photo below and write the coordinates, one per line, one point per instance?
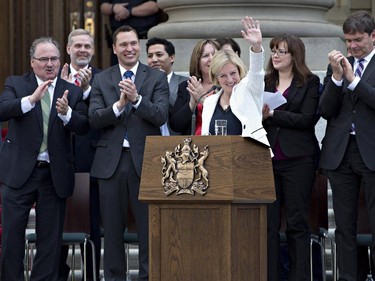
(173, 87)
(140, 77)
(292, 92)
(369, 69)
(57, 93)
(116, 78)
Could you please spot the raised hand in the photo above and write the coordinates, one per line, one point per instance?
(39, 92)
(252, 33)
(336, 59)
(195, 90)
(65, 73)
(62, 105)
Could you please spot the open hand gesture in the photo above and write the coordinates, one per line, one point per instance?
(252, 33)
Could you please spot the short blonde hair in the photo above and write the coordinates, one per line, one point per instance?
(220, 59)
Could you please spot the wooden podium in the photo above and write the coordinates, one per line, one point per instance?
(221, 235)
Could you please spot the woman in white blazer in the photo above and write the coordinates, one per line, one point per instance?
(240, 99)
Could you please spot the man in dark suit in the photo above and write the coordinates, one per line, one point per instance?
(126, 111)
(80, 48)
(161, 55)
(37, 166)
(348, 154)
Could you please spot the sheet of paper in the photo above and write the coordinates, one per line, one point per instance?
(274, 100)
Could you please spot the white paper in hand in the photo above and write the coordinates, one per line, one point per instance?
(274, 100)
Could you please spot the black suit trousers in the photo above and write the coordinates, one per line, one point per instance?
(294, 180)
(346, 182)
(50, 212)
(117, 194)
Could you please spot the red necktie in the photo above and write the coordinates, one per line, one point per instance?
(77, 81)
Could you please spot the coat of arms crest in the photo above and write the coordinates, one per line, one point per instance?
(183, 169)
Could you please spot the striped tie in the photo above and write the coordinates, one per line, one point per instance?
(45, 103)
(360, 67)
(358, 72)
(77, 80)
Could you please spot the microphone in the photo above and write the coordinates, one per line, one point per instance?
(193, 116)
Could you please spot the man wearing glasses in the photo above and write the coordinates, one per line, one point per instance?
(37, 159)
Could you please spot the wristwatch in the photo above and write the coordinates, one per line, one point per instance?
(136, 100)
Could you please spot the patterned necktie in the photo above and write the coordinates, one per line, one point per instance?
(128, 74)
(358, 72)
(45, 103)
(77, 81)
(360, 67)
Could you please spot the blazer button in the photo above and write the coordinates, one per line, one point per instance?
(354, 111)
(278, 129)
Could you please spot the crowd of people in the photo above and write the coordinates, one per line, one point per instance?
(74, 117)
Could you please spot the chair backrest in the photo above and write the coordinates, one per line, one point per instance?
(77, 215)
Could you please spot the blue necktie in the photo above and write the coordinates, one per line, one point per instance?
(360, 67)
(128, 74)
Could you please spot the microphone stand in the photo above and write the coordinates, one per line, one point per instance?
(193, 116)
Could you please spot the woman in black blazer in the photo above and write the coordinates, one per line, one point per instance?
(291, 133)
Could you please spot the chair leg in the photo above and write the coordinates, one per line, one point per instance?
(73, 264)
(333, 254)
(317, 240)
(85, 260)
(369, 276)
(93, 260)
(323, 237)
(322, 258)
(27, 247)
(311, 259)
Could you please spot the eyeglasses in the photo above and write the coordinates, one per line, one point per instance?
(46, 60)
(280, 53)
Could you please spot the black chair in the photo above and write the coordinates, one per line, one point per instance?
(129, 239)
(366, 240)
(321, 239)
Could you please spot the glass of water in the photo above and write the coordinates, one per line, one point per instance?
(220, 127)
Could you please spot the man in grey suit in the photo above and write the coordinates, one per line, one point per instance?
(348, 154)
(80, 48)
(161, 55)
(126, 111)
(37, 163)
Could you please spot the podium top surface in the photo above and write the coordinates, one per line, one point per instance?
(239, 170)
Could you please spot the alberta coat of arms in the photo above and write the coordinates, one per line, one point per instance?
(183, 169)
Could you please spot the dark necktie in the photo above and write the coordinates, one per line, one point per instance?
(128, 74)
(358, 72)
(360, 68)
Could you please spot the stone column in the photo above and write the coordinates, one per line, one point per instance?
(221, 18)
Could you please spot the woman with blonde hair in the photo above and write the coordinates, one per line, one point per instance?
(240, 99)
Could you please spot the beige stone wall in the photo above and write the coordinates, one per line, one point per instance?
(343, 8)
